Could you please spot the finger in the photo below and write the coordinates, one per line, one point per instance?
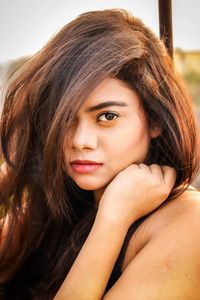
(157, 170)
(169, 176)
(144, 168)
(130, 168)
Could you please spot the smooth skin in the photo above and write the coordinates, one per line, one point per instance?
(110, 128)
(96, 259)
(162, 259)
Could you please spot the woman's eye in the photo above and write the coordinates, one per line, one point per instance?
(107, 116)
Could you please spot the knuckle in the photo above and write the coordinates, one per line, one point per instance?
(142, 165)
(155, 165)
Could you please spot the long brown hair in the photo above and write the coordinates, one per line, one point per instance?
(40, 105)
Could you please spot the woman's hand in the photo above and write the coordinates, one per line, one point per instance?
(135, 192)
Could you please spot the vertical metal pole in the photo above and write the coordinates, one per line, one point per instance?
(165, 20)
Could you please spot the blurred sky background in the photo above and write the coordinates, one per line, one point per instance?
(25, 26)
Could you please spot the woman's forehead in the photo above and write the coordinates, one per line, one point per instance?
(111, 90)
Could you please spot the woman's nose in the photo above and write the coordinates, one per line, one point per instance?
(84, 137)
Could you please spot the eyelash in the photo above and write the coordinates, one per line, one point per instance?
(106, 113)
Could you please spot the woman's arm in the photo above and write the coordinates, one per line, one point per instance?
(90, 272)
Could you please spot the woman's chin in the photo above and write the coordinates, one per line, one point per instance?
(90, 186)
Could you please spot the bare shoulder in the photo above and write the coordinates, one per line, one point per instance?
(163, 258)
(182, 211)
(179, 217)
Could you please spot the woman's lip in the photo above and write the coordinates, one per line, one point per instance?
(85, 162)
(85, 168)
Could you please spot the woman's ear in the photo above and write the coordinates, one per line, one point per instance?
(155, 131)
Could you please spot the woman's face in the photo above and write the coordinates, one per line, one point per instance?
(110, 133)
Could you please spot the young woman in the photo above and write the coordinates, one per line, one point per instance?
(99, 145)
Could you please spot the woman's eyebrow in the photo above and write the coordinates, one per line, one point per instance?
(106, 104)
